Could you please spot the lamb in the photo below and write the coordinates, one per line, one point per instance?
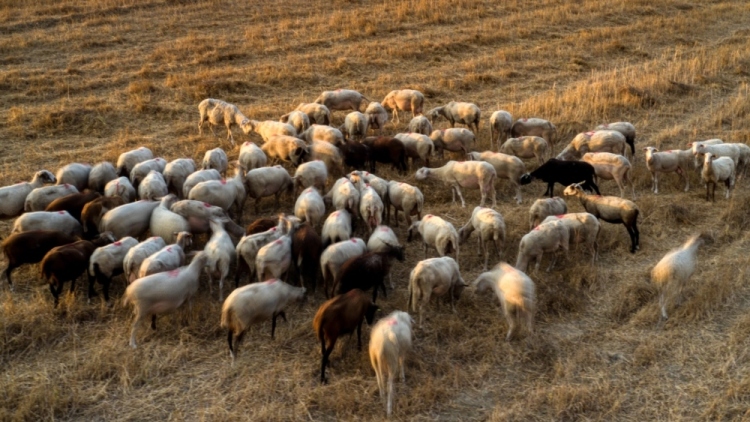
(131, 264)
(94, 210)
(384, 149)
(299, 120)
(564, 173)
(165, 223)
(467, 174)
(404, 100)
(162, 292)
(30, 247)
(380, 240)
(176, 173)
(421, 125)
(316, 113)
(626, 128)
(269, 128)
(254, 303)
(506, 167)
(223, 193)
(311, 173)
(101, 174)
(666, 162)
(343, 196)
(454, 140)
(457, 112)
(715, 170)
(12, 198)
(39, 198)
(368, 271)
(142, 169)
(371, 208)
(221, 255)
(197, 177)
(106, 263)
(610, 166)
(355, 126)
(247, 248)
(306, 250)
(526, 147)
(403, 197)
(535, 127)
(251, 156)
(129, 219)
(674, 270)
(121, 188)
(610, 209)
(329, 154)
(582, 228)
(338, 316)
(217, 112)
(490, 226)
(436, 233)
(215, 159)
(73, 203)
(434, 276)
(341, 99)
(390, 341)
(545, 238)
(310, 207)
(544, 207)
(48, 220)
(274, 258)
(500, 123)
(334, 256)
(267, 181)
(285, 148)
(599, 141)
(337, 227)
(152, 187)
(127, 160)
(417, 146)
(76, 174)
(377, 115)
(516, 293)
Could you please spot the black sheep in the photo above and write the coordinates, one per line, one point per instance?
(565, 173)
(368, 271)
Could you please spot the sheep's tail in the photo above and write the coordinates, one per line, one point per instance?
(227, 318)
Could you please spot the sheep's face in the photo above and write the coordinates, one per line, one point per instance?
(481, 286)
(525, 179)
(572, 190)
(246, 126)
(46, 176)
(422, 173)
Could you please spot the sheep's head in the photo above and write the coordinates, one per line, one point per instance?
(45, 176)
(573, 189)
(708, 158)
(247, 126)
(422, 173)
(414, 227)
(434, 114)
(396, 251)
(482, 284)
(184, 238)
(107, 237)
(525, 179)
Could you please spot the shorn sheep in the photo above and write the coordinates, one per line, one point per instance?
(316, 113)
(626, 128)
(506, 167)
(310, 207)
(458, 112)
(666, 162)
(131, 264)
(500, 123)
(251, 156)
(403, 197)
(490, 226)
(127, 160)
(404, 100)
(12, 198)
(526, 147)
(535, 127)
(334, 256)
(421, 125)
(217, 113)
(215, 159)
(299, 120)
(516, 293)
(545, 238)
(610, 166)
(76, 174)
(436, 233)
(716, 170)
(390, 341)
(341, 99)
(467, 174)
(564, 173)
(544, 207)
(453, 139)
(673, 271)
(377, 115)
(582, 228)
(434, 277)
(268, 181)
(106, 262)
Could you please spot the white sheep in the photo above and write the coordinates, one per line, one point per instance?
(608, 166)
(121, 187)
(545, 238)
(599, 141)
(197, 177)
(458, 112)
(197, 210)
(322, 133)
(434, 277)
(225, 193)
(267, 181)
(310, 207)
(131, 219)
(404, 100)
(436, 233)
(316, 113)
(251, 156)
(298, 119)
(176, 173)
(329, 154)
(269, 128)
(152, 186)
(535, 127)
(311, 173)
(732, 151)
(48, 220)
(377, 116)
(217, 113)
(544, 207)
(166, 223)
(500, 123)
(421, 125)
(142, 169)
(506, 167)
(13, 198)
(106, 262)
(221, 255)
(382, 239)
(162, 292)
(132, 261)
(127, 160)
(526, 147)
(390, 341)
(454, 140)
(698, 158)
(403, 197)
(274, 258)
(490, 226)
(39, 198)
(355, 126)
(167, 258)
(247, 248)
(285, 148)
(76, 174)
(101, 174)
(341, 99)
(673, 271)
(417, 146)
(516, 293)
(343, 195)
(667, 162)
(215, 159)
(375, 182)
(371, 207)
(467, 174)
(626, 128)
(583, 228)
(334, 256)
(337, 227)
(715, 170)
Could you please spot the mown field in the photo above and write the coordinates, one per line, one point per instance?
(86, 80)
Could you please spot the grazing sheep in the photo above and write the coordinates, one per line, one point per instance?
(506, 167)
(13, 198)
(457, 112)
(316, 113)
(247, 248)
(44, 220)
(267, 181)
(94, 210)
(381, 240)
(390, 341)
(226, 194)
(142, 169)
(715, 170)
(30, 247)
(384, 149)
(404, 100)
(516, 293)
(120, 188)
(73, 203)
(434, 277)
(269, 128)
(491, 227)
(436, 233)
(600, 141)
(39, 198)
(255, 303)
(152, 187)
(132, 219)
(564, 173)
(198, 213)
(343, 196)
(355, 155)
(500, 123)
(582, 228)
(215, 159)
(626, 128)
(101, 174)
(355, 126)
(162, 292)
(127, 160)
(421, 125)
(274, 258)
(535, 127)
(417, 146)
(341, 99)
(217, 113)
(368, 271)
(380, 185)
(106, 263)
(337, 227)
(454, 140)
(371, 208)
(76, 174)
(221, 255)
(306, 250)
(131, 263)
(673, 271)
(310, 207)
(610, 209)
(545, 238)
(176, 173)
(197, 177)
(467, 174)
(543, 208)
(403, 197)
(299, 120)
(377, 116)
(165, 223)
(610, 166)
(666, 162)
(311, 173)
(526, 147)
(286, 148)
(334, 256)
(251, 156)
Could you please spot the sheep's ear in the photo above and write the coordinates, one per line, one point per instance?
(175, 233)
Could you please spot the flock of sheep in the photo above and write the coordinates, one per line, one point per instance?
(90, 222)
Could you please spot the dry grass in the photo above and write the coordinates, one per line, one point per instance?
(85, 80)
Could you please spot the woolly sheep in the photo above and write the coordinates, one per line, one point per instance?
(176, 173)
(454, 140)
(197, 177)
(377, 115)
(436, 233)
(316, 113)
(153, 186)
(142, 169)
(127, 160)
(76, 174)
(417, 146)
(165, 223)
(582, 228)
(343, 195)
(337, 227)
(673, 271)
(329, 154)
(732, 151)
(120, 187)
(13, 198)
(106, 262)
(506, 167)
(355, 126)
(251, 156)
(382, 239)
(715, 170)
(380, 185)
(666, 162)
(599, 141)
(274, 258)
(390, 341)
(132, 261)
(267, 181)
(545, 238)
(298, 119)
(334, 256)
(421, 125)
(610, 166)
(215, 159)
(526, 147)
(221, 255)
(39, 198)
(285, 148)
(490, 226)
(458, 112)
(93, 211)
(544, 207)
(131, 219)
(467, 174)
(535, 127)
(322, 133)
(311, 173)
(626, 128)
(341, 99)
(48, 220)
(403, 197)
(269, 128)
(101, 174)
(310, 207)
(434, 277)
(404, 100)
(500, 124)
(217, 113)
(516, 293)
(223, 193)
(247, 248)
(371, 208)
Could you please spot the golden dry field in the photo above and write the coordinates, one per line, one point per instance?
(87, 80)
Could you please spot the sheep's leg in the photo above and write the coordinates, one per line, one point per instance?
(552, 262)
(395, 215)
(511, 326)
(389, 411)
(486, 256)
(210, 282)
(105, 290)
(230, 337)
(401, 364)
(55, 293)
(134, 329)
(325, 360)
(663, 305)
(425, 250)
(273, 324)
(7, 275)
(91, 291)
(153, 322)
(463, 203)
(382, 287)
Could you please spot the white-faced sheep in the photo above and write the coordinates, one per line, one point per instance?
(544, 207)
(251, 156)
(610, 166)
(165, 223)
(506, 167)
(285, 148)
(626, 128)
(535, 127)
(127, 160)
(718, 150)
(467, 174)
(698, 158)
(673, 271)
(337, 227)
(76, 174)
(176, 173)
(12, 198)
(355, 126)
(418, 146)
(377, 116)
(142, 169)
(153, 186)
(390, 341)
(106, 262)
(215, 159)
(545, 238)
(311, 173)
(421, 125)
(298, 119)
(39, 198)
(516, 293)
(716, 170)
(131, 263)
(667, 162)
(500, 123)
(334, 256)
(310, 207)
(267, 181)
(436, 233)
(458, 112)
(490, 226)
(434, 277)
(223, 193)
(198, 177)
(269, 128)
(316, 113)
(48, 220)
(120, 187)
(329, 154)
(132, 219)
(453, 139)
(582, 228)
(341, 99)
(526, 147)
(322, 133)
(403, 197)
(221, 255)
(404, 100)
(101, 174)
(217, 113)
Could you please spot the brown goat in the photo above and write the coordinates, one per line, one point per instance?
(368, 271)
(384, 149)
(73, 203)
(307, 247)
(30, 247)
(338, 316)
(94, 210)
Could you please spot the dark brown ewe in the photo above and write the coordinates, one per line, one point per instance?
(307, 247)
(385, 149)
(94, 210)
(355, 154)
(73, 203)
(368, 271)
(30, 247)
(260, 225)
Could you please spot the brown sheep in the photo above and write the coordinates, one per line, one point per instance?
(30, 247)
(94, 210)
(384, 149)
(73, 203)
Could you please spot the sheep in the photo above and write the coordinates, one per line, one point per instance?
(549, 238)
(355, 126)
(368, 271)
(674, 270)
(198, 213)
(247, 248)
(68, 262)
(698, 158)
(299, 120)
(121, 188)
(162, 292)
(48, 220)
(223, 193)
(197, 177)
(255, 303)
(436, 233)
(337, 227)
(564, 173)
(610, 209)
(165, 223)
(626, 128)
(310, 206)
(417, 146)
(434, 276)
(343, 196)
(354, 154)
(322, 133)
(390, 341)
(259, 225)
(316, 113)
(371, 208)
(73, 203)
(311, 173)
(421, 125)
(338, 316)
(131, 219)
(152, 187)
(544, 207)
(732, 151)
(403, 197)
(76, 174)
(215, 159)
(715, 170)
(490, 226)
(221, 255)
(131, 263)
(500, 123)
(251, 156)
(334, 256)
(176, 173)
(285, 148)
(535, 127)
(127, 160)
(306, 250)
(268, 128)
(217, 112)
(610, 166)
(328, 154)
(380, 240)
(12, 198)
(101, 174)
(599, 141)
(404, 100)
(516, 293)
(39, 198)
(582, 228)
(380, 185)
(341, 99)
(666, 162)
(30, 247)
(384, 149)
(454, 140)
(467, 174)
(94, 210)
(457, 112)
(506, 167)
(142, 169)
(106, 262)
(267, 181)
(526, 147)
(377, 116)
(274, 258)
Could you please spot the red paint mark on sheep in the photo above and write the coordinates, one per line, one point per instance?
(354, 240)
(207, 205)
(278, 241)
(271, 281)
(61, 212)
(525, 120)
(384, 229)
(118, 243)
(560, 215)
(393, 321)
(174, 273)
(169, 249)
(428, 216)
(223, 181)
(273, 229)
